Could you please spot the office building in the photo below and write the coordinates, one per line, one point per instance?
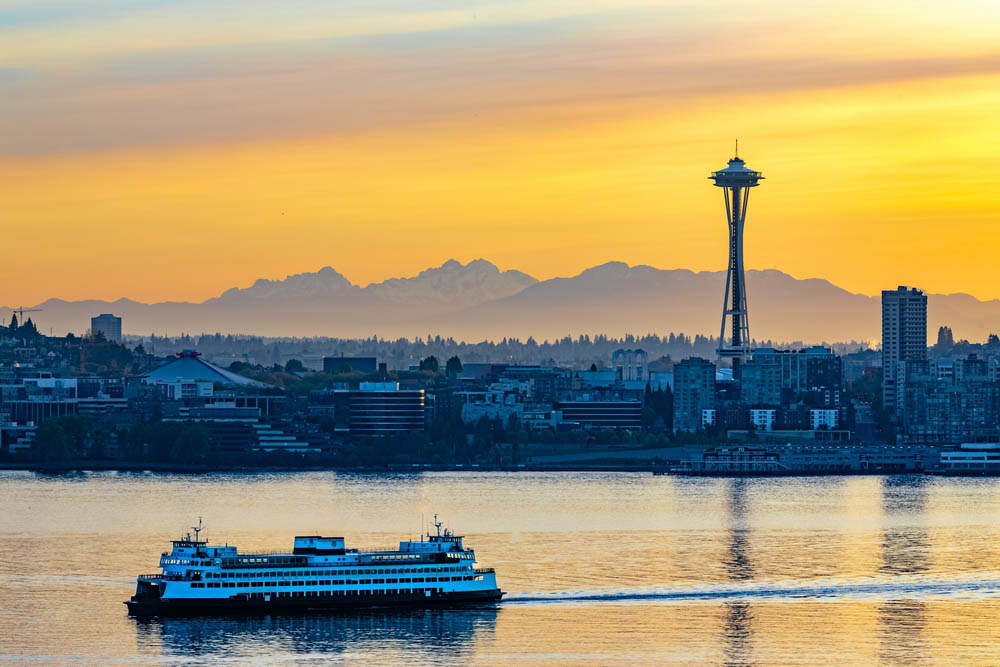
(379, 408)
(602, 413)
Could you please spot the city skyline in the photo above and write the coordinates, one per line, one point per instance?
(285, 279)
(184, 152)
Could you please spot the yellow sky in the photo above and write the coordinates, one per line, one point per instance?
(546, 138)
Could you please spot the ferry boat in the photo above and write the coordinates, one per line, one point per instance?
(319, 574)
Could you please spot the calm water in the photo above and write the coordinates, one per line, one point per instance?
(599, 567)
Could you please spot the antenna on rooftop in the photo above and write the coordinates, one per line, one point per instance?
(737, 153)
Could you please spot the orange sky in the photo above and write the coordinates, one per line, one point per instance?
(171, 150)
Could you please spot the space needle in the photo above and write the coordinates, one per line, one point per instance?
(735, 181)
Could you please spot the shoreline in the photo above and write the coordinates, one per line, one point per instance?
(395, 469)
(122, 466)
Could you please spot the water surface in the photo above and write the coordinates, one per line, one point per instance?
(599, 567)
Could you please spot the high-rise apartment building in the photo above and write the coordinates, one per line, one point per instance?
(774, 377)
(904, 338)
(694, 393)
(956, 408)
(108, 325)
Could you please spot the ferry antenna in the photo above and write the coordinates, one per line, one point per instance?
(197, 530)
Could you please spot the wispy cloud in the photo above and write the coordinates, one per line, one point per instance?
(301, 133)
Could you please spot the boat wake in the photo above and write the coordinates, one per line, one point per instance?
(894, 588)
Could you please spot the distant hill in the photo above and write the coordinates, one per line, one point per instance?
(476, 301)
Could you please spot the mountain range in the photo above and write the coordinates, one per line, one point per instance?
(477, 301)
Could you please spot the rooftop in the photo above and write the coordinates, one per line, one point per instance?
(189, 366)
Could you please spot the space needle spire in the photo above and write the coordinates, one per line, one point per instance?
(735, 181)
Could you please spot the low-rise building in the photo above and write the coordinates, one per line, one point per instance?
(602, 413)
(971, 458)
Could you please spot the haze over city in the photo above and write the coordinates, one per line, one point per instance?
(172, 151)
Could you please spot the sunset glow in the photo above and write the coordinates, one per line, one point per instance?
(171, 150)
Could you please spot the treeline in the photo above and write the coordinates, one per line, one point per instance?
(76, 437)
(401, 353)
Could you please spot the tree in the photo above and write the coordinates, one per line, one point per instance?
(28, 329)
(294, 366)
(78, 432)
(945, 337)
(50, 443)
(454, 366)
(191, 444)
(648, 416)
(993, 340)
(429, 364)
